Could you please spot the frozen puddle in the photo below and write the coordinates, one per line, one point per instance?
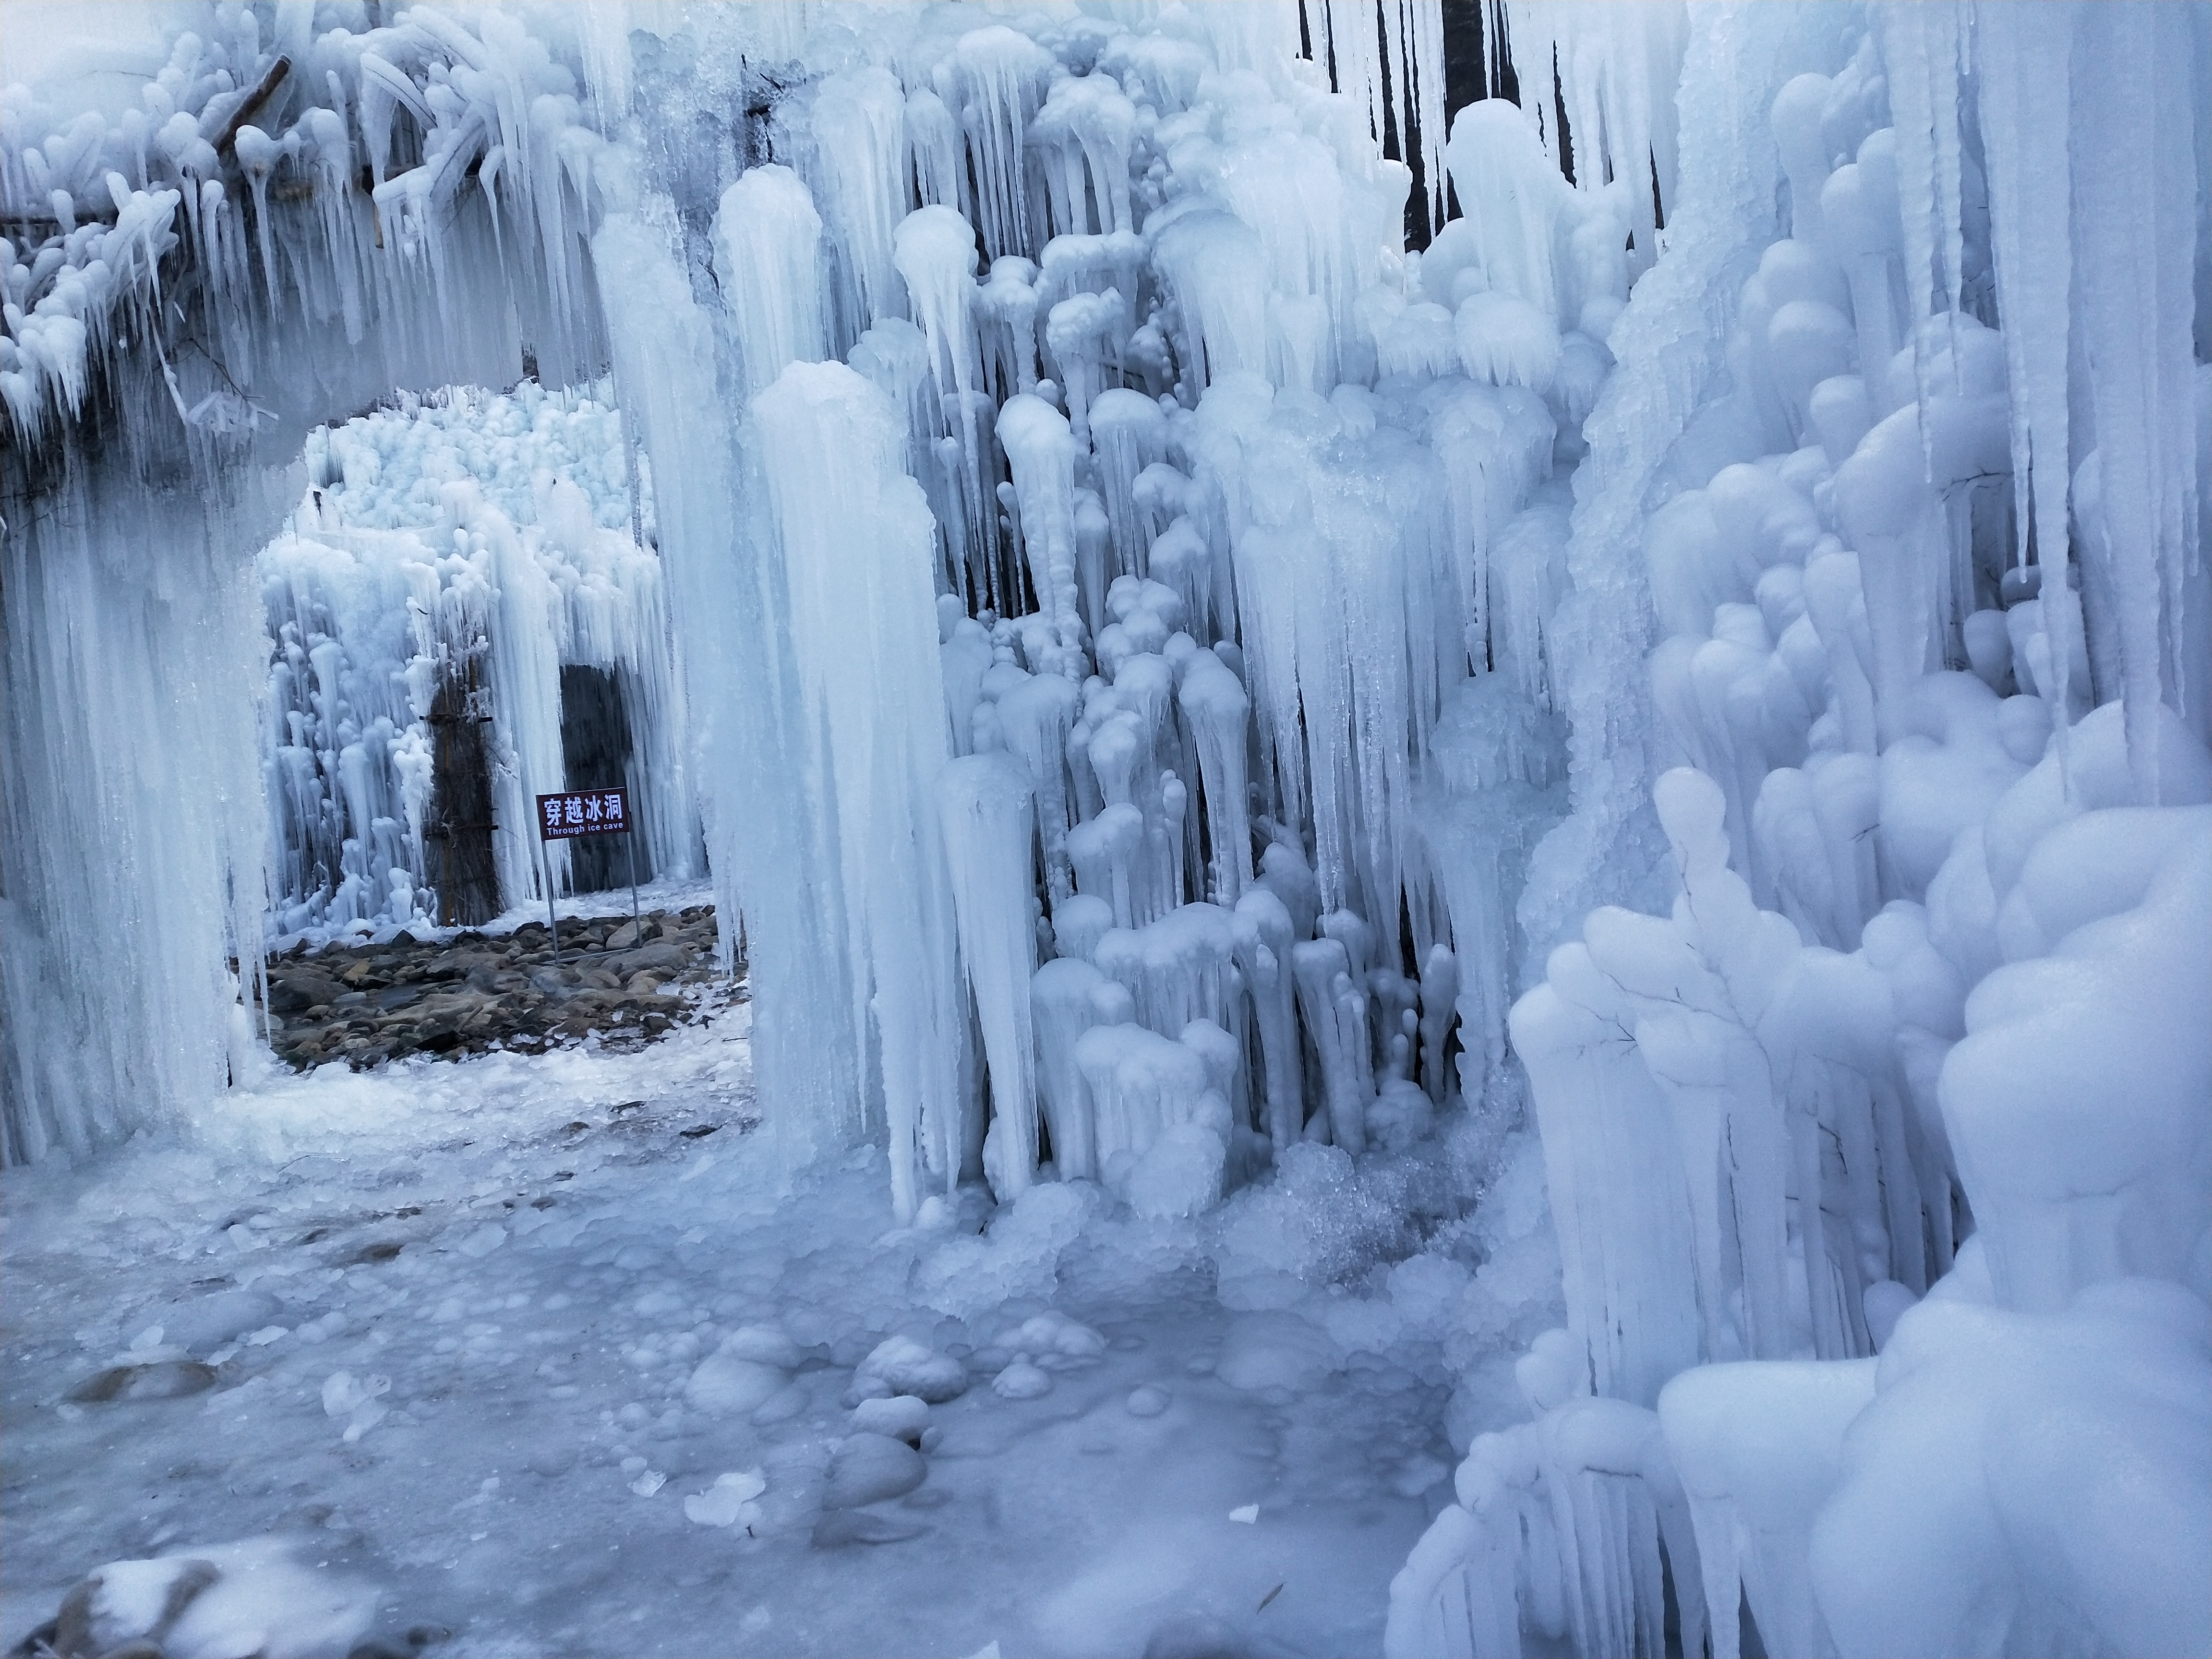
(590, 1389)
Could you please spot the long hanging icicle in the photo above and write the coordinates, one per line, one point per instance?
(2136, 323)
(2026, 112)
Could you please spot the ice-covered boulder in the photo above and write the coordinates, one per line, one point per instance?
(868, 1467)
(901, 1365)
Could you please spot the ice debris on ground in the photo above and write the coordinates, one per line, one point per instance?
(665, 1367)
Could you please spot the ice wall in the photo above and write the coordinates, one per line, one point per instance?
(1879, 1164)
(1212, 519)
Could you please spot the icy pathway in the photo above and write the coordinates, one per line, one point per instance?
(538, 1358)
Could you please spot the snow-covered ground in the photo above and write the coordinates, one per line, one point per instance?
(570, 1248)
(670, 895)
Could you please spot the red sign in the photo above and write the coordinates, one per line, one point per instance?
(583, 812)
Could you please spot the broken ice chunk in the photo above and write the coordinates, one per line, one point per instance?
(728, 1502)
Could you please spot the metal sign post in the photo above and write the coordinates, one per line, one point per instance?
(629, 846)
(578, 813)
(552, 916)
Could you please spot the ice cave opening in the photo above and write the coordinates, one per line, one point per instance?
(466, 612)
(1462, 746)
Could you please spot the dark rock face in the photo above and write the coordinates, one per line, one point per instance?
(595, 752)
(160, 1379)
(458, 827)
(296, 992)
(629, 983)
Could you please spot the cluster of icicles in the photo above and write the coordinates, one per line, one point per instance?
(432, 534)
(1130, 559)
(1917, 1065)
(357, 140)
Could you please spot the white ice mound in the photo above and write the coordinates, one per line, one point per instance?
(750, 1367)
(1021, 1381)
(1018, 1256)
(2028, 1476)
(1053, 1333)
(901, 1416)
(867, 1468)
(899, 1364)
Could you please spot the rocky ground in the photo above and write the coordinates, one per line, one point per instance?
(625, 982)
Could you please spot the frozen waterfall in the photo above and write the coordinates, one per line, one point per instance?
(1710, 646)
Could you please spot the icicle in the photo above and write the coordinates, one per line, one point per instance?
(1335, 1016)
(1213, 263)
(935, 251)
(1215, 706)
(2134, 324)
(860, 126)
(986, 804)
(2026, 113)
(767, 236)
(858, 561)
(998, 77)
(1092, 124)
(1068, 996)
(1128, 434)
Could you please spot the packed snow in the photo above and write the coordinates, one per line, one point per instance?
(1471, 841)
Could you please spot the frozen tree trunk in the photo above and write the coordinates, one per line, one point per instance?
(460, 821)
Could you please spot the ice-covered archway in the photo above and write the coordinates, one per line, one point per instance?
(277, 220)
(423, 186)
(463, 611)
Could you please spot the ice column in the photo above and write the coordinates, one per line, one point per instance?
(778, 869)
(987, 804)
(856, 551)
